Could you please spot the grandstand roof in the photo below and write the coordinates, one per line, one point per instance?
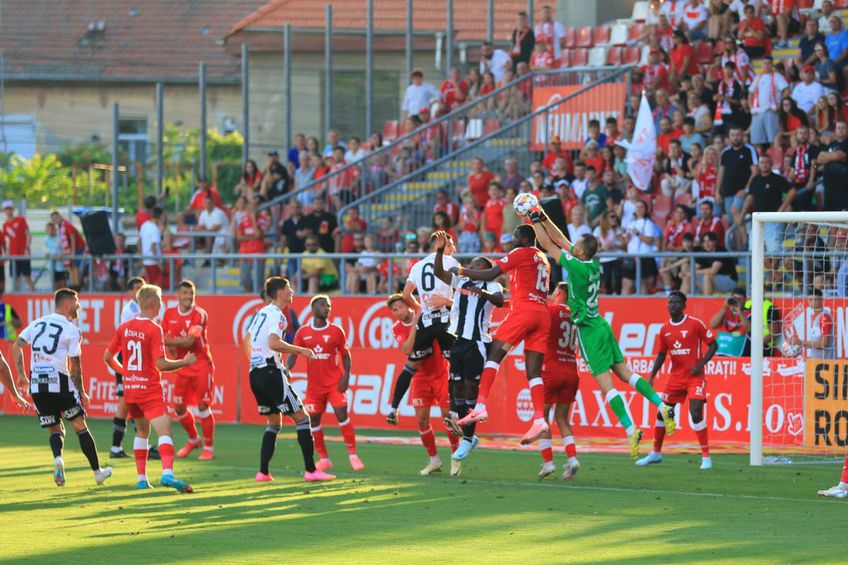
(389, 17)
(140, 41)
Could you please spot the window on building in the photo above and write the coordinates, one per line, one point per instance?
(133, 138)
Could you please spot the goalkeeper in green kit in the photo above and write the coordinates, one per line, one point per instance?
(597, 343)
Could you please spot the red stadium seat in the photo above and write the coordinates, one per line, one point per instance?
(565, 62)
(601, 35)
(570, 38)
(704, 53)
(584, 37)
(390, 130)
(683, 199)
(661, 208)
(580, 57)
(632, 55)
(614, 56)
(776, 154)
(492, 125)
(636, 29)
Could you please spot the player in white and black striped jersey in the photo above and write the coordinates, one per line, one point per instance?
(470, 318)
(55, 380)
(433, 323)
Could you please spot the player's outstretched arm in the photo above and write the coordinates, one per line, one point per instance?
(478, 274)
(553, 232)
(280, 346)
(544, 240)
(439, 263)
(658, 363)
(711, 350)
(9, 383)
(408, 289)
(18, 360)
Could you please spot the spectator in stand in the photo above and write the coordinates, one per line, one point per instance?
(611, 238)
(823, 14)
(250, 235)
(313, 146)
(487, 86)
(495, 61)
(54, 252)
(596, 198)
(506, 243)
(808, 91)
(275, 179)
(674, 171)
(523, 40)
(552, 34)
(690, 137)
(694, 20)
(511, 178)
(319, 273)
(643, 237)
(542, 60)
(365, 268)
(387, 236)
(468, 226)
(708, 221)
(213, 219)
(323, 226)
(454, 92)
(594, 133)
(197, 202)
(333, 140)
(786, 21)
(715, 274)
(700, 113)
(353, 225)
(814, 329)
(18, 244)
(733, 320)
(491, 220)
(672, 241)
(355, 152)
(512, 102)
(728, 99)
(826, 72)
(802, 171)
(752, 30)
(671, 268)
(491, 245)
(478, 181)
(293, 234)
(591, 155)
(577, 226)
(705, 177)
(836, 106)
(341, 184)
(719, 20)
(293, 154)
(837, 46)
(807, 44)
(418, 95)
(673, 10)
(580, 181)
(150, 246)
(474, 80)
(733, 52)
(509, 219)
(789, 119)
(655, 73)
(663, 34)
(73, 246)
(834, 160)
(424, 232)
(303, 177)
(170, 262)
(737, 167)
(559, 177)
(250, 181)
(682, 60)
(766, 194)
(147, 212)
(556, 151)
(446, 205)
(663, 108)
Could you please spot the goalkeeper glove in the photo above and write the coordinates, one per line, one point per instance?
(537, 215)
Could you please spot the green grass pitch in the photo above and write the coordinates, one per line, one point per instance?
(495, 512)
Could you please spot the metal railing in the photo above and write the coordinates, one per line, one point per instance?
(445, 134)
(400, 198)
(395, 266)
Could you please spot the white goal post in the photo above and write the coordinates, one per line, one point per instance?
(823, 223)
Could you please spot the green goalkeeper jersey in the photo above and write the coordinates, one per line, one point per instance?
(584, 285)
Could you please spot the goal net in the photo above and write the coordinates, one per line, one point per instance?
(799, 337)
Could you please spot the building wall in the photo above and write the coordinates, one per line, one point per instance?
(578, 13)
(72, 113)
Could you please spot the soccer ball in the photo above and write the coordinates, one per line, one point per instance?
(523, 203)
(790, 349)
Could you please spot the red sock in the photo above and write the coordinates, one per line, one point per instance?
(207, 424)
(454, 441)
(140, 452)
(187, 421)
(320, 444)
(166, 452)
(537, 395)
(844, 478)
(659, 436)
(545, 450)
(349, 435)
(570, 446)
(703, 440)
(487, 380)
(428, 439)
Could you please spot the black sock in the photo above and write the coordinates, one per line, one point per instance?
(456, 392)
(89, 448)
(269, 442)
(402, 385)
(307, 446)
(57, 443)
(469, 429)
(119, 426)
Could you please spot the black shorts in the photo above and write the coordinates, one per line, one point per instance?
(272, 391)
(21, 268)
(467, 360)
(425, 336)
(649, 268)
(51, 406)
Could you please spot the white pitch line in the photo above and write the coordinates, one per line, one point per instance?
(567, 486)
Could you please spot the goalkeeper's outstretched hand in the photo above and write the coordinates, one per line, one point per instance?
(537, 215)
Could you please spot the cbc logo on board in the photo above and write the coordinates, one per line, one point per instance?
(524, 405)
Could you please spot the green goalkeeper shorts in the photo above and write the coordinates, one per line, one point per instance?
(598, 345)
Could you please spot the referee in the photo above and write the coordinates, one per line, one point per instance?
(470, 318)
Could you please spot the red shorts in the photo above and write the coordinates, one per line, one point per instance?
(676, 392)
(153, 274)
(194, 387)
(147, 405)
(529, 325)
(560, 387)
(318, 398)
(429, 391)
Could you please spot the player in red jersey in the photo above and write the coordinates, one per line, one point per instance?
(141, 344)
(185, 329)
(559, 373)
(683, 337)
(429, 385)
(327, 379)
(528, 321)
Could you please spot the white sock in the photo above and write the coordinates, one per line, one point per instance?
(843, 486)
(142, 478)
(539, 421)
(435, 460)
(572, 460)
(57, 460)
(114, 449)
(544, 443)
(630, 429)
(167, 472)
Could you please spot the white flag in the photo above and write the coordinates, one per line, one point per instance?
(642, 151)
